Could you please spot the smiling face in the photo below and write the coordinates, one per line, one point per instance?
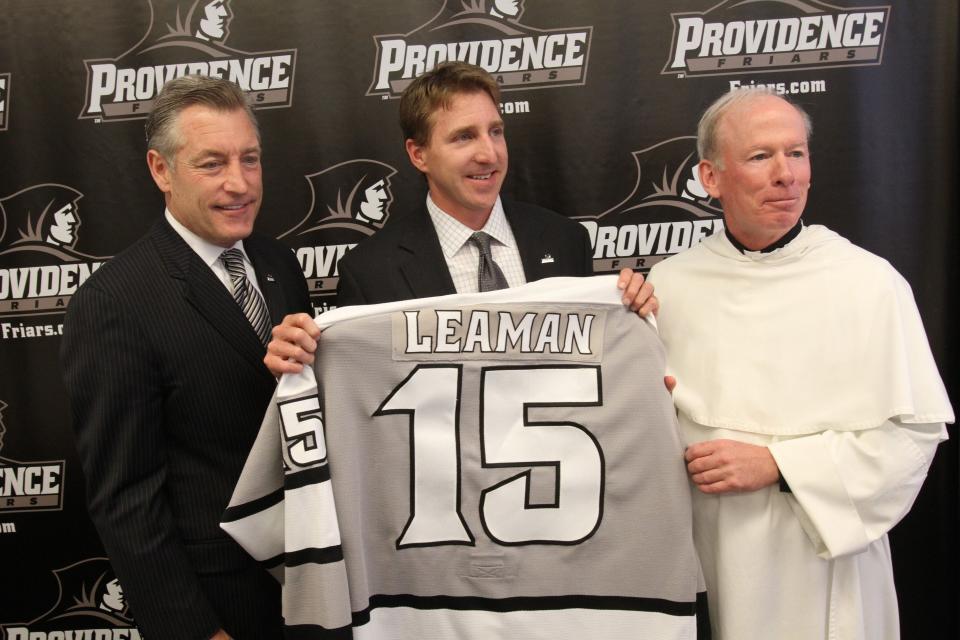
(762, 175)
(465, 158)
(213, 185)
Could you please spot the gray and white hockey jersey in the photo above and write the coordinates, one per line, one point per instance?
(497, 465)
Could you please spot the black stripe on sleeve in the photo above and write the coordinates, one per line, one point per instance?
(313, 475)
(313, 555)
(241, 511)
(272, 563)
(703, 617)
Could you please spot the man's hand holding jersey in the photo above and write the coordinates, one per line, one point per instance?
(293, 345)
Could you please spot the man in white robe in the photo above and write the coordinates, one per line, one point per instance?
(808, 398)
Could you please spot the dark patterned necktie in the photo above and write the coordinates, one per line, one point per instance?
(246, 295)
(489, 275)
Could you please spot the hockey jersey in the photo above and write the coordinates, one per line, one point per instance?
(496, 465)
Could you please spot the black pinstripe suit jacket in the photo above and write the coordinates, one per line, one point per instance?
(404, 260)
(167, 389)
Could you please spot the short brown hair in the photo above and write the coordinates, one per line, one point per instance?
(436, 89)
(187, 91)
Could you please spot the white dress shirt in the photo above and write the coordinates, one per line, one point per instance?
(210, 254)
(463, 256)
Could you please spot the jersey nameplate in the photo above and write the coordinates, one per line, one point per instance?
(498, 332)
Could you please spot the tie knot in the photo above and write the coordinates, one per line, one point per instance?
(482, 240)
(233, 260)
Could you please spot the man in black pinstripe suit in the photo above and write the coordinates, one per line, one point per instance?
(162, 433)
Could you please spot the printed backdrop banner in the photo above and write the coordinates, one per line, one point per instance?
(600, 101)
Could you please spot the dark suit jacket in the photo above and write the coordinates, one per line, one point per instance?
(168, 388)
(404, 260)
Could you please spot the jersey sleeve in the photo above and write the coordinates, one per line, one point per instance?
(283, 513)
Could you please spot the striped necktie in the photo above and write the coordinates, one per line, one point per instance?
(489, 275)
(246, 295)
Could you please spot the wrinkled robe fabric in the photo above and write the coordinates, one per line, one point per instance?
(817, 351)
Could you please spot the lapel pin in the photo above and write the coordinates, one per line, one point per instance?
(546, 259)
(270, 278)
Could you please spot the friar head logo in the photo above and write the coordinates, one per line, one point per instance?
(90, 597)
(668, 179)
(506, 9)
(350, 195)
(207, 20)
(348, 202)
(203, 25)
(215, 23)
(44, 218)
(110, 597)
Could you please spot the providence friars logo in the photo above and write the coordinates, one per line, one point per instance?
(28, 486)
(40, 266)
(487, 33)
(89, 604)
(184, 37)
(668, 211)
(349, 201)
(738, 36)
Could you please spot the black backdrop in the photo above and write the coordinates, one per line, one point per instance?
(601, 100)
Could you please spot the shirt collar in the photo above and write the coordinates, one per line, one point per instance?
(453, 234)
(777, 244)
(208, 252)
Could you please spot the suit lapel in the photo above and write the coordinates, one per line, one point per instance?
(266, 279)
(204, 292)
(423, 264)
(529, 241)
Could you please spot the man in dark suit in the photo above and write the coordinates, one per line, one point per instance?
(455, 137)
(406, 260)
(163, 361)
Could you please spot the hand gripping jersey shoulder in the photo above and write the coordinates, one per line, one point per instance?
(490, 465)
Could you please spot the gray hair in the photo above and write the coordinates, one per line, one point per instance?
(708, 144)
(176, 95)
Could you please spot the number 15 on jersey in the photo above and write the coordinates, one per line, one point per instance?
(430, 397)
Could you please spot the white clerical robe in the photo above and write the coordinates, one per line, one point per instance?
(815, 350)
